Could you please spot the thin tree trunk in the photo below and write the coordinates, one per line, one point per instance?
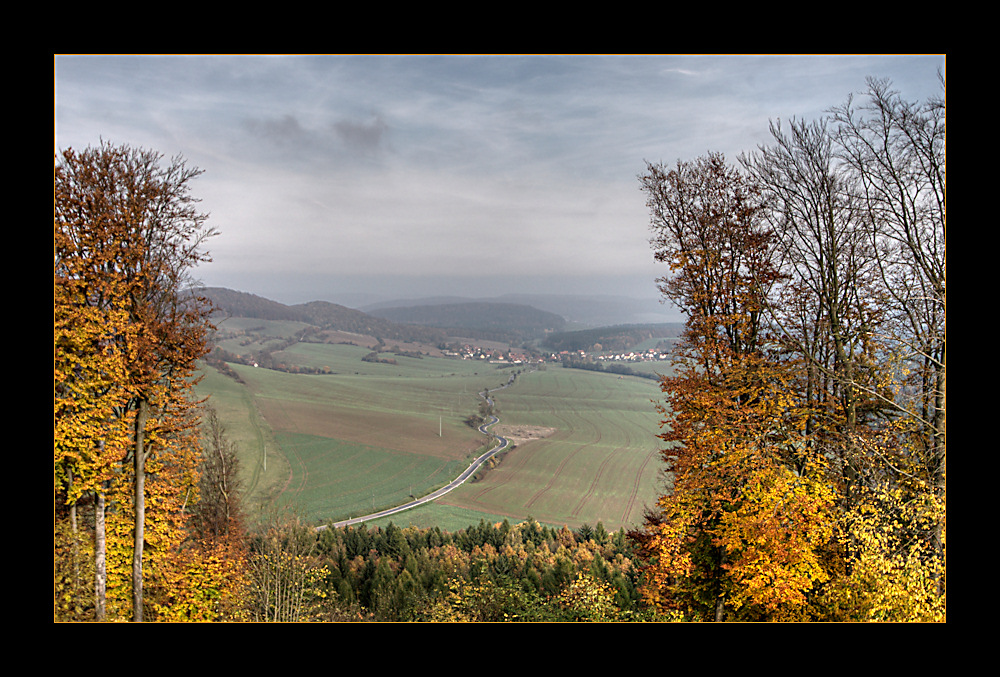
(100, 568)
(75, 552)
(941, 446)
(142, 413)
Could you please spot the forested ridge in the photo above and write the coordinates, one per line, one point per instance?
(804, 416)
(485, 320)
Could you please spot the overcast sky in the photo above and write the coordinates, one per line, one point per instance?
(405, 176)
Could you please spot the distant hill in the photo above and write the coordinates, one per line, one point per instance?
(433, 320)
(318, 313)
(599, 310)
(579, 310)
(233, 303)
(497, 321)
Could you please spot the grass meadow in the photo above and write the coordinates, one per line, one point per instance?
(600, 463)
(365, 436)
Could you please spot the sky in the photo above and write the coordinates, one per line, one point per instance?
(356, 178)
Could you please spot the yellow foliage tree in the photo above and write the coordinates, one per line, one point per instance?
(128, 333)
(585, 599)
(750, 519)
(743, 531)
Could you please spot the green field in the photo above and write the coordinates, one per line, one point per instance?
(600, 464)
(366, 436)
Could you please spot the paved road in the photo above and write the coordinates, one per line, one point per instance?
(484, 429)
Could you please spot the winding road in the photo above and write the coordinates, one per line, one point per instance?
(484, 429)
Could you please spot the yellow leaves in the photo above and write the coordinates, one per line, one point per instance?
(477, 601)
(668, 544)
(587, 599)
(125, 234)
(775, 539)
(808, 464)
(740, 522)
(88, 439)
(202, 584)
(896, 574)
(72, 573)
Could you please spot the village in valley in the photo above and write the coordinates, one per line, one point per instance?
(512, 357)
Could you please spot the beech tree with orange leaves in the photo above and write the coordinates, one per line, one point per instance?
(742, 531)
(128, 332)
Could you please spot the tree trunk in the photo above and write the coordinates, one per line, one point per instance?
(76, 544)
(941, 460)
(100, 567)
(142, 412)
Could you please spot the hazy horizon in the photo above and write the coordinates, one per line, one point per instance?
(475, 176)
(359, 291)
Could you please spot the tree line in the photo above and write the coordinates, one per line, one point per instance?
(805, 421)
(610, 339)
(524, 572)
(609, 368)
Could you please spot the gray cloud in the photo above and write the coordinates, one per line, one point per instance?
(325, 173)
(282, 131)
(364, 136)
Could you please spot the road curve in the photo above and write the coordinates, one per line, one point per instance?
(484, 429)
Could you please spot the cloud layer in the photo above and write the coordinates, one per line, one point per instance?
(331, 175)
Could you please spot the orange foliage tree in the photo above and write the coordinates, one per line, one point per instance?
(805, 416)
(743, 531)
(89, 434)
(128, 332)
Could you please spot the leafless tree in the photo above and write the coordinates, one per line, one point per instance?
(896, 148)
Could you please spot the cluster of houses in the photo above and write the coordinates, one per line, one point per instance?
(651, 355)
(493, 356)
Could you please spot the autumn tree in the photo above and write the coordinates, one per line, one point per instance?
(90, 434)
(826, 312)
(219, 511)
(805, 416)
(585, 599)
(128, 330)
(204, 580)
(742, 531)
(860, 198)
(284, 576)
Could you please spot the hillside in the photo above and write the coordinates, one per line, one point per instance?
(507, 322)
(231, 303)
(577, 309)
(322, 314)
(433, 323)
(332, 316)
